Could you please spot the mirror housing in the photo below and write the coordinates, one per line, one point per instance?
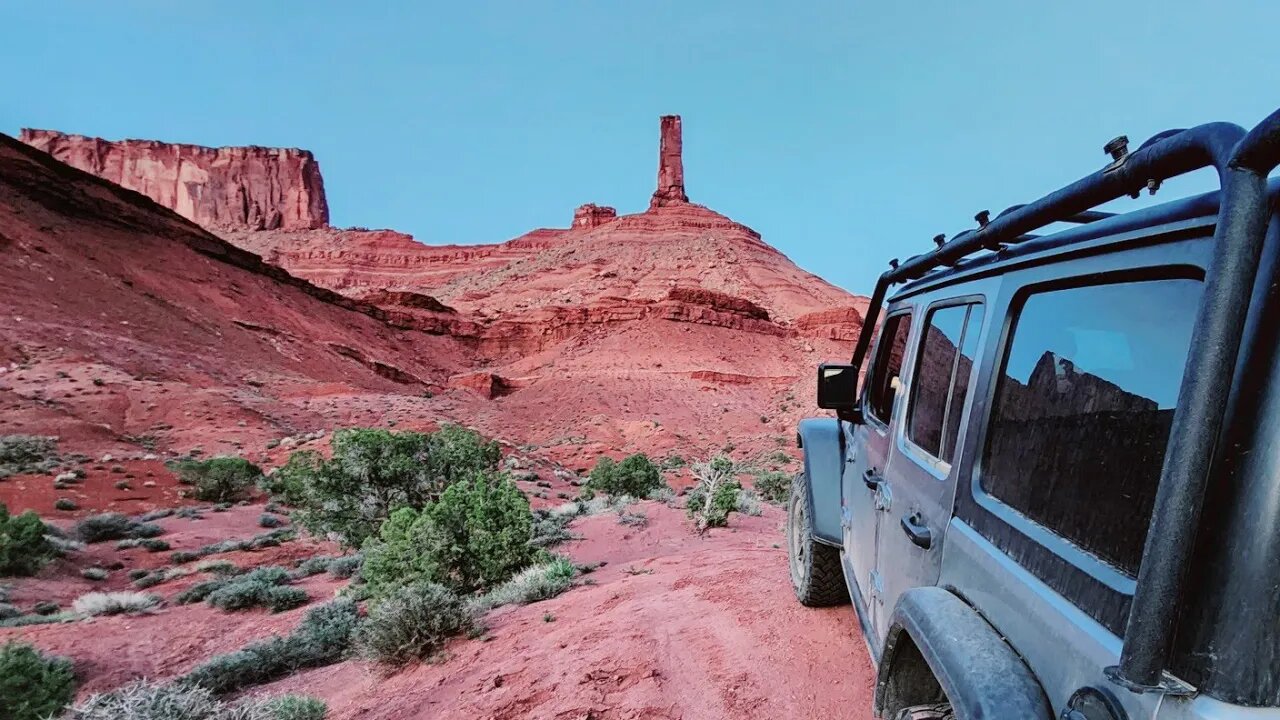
(838, 390)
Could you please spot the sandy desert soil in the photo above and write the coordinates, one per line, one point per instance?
(675, 625)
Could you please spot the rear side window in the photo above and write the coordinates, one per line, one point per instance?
(889, 355)
(941, 380)
(1083, 408)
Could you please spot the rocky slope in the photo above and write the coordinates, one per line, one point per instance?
(672, 330)
(127, 326)
(251, 188)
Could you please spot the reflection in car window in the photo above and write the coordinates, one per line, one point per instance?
(960, 390)
(937, 370)
(892, 348)
(1083, 410)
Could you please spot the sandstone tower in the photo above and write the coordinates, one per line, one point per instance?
(670, 165)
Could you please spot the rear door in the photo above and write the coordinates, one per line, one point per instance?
(868, 446)
(919, 484)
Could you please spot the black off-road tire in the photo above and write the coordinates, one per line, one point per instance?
(937, 711)
(816, 576)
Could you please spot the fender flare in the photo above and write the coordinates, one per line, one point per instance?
(820, 438)
(982, 676)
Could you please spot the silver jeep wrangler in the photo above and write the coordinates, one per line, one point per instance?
(1056, 494)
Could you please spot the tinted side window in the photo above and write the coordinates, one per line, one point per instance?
(930, 424)
(892, 348)
(1083, 409)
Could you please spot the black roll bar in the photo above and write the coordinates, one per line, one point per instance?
(1202, 401)
(1242, 163)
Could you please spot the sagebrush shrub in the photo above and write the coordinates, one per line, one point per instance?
(114, 603)
(313, 565)
(21, 454)
(374, 472)
(141, 700)
(345, 566)
(219, 479)
(774, 486)
(267, 520)
(323, 638)
(715, 495)
(539, 582)
(636, 476)
(24, 545)
(413, 623)
(33, 686)
(474, 537)
(262, 587)
(113, 526)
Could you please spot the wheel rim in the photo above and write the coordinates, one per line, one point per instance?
(796, 541)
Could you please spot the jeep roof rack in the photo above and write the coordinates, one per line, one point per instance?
(1242, 163)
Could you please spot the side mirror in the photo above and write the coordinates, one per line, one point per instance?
(837, 388)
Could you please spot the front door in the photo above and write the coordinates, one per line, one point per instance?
(862, 491)
(919, 478)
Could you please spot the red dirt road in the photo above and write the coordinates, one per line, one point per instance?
(677, 627)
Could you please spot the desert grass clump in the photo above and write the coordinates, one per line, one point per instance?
(33, 686)
(148, 544)
(539, 582)
(413, 623)
(115, 603)
(748, 503)
(65, 504)
(159, 514)
(27, 454)
(96, 574)
(151, 578)
(25, 543)
(217, 567)
(324, 637)
(219, 479)
(267, 520)
(294, 707)
(633, 519)
(141, 700)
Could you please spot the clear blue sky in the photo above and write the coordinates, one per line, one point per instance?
(845, 132)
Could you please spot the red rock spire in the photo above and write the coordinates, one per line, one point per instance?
(670, 166)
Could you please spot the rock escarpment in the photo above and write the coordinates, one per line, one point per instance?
(676, 329)
(228, 188)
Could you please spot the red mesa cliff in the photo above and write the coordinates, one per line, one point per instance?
(228, 188)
